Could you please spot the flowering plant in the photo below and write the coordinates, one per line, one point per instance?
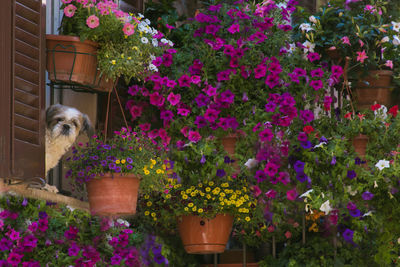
(38, 233)
(127, 43)
(359, 30)
(127, 152)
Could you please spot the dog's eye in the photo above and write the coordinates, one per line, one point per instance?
(75, 124)
(58, 120)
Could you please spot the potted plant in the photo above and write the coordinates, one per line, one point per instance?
(367, 36)
(116, 167)
(203, 197)
(99, 42)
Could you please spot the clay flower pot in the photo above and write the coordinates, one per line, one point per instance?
(205, 236)
(74, 62)
(229, 144)
(113, 194)
(374, 88)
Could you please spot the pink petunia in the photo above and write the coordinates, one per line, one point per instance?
(389, 64)
(271, 193)
(361, 56)
(194, 136)
(183, 111)
(345, 40)
(234, 28)
(69, 10)
(92, 21)
(291, 194)
(174, 99)
(256, 190)
(128, 29)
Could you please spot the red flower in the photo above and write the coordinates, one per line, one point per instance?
(393, 110)
(348, 116)
(375, 107)
(308, 129)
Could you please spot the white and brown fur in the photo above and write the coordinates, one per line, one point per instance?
(63, 125)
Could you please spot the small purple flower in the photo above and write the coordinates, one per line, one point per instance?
(306, 145)
(333, 161)
(299, 166)
(73, 250)
(203, 159)
(220, 173)
(367, 195)
(24, 202)
(348, 235)
(355, 213)
(129, 167)
(260, 176)
(351, 174)
(301, 177)
(42, 215)
(116, 260)
(227, 159)
(112, 166)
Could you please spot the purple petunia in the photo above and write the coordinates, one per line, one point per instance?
(299, 166)
(221, 173)
(351, 174)
(348, 235)
(367, 195)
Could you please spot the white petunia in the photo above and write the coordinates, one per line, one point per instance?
(381, 113)
(170, 43)
(144, 40)
(351, 191)
(251, 163)
(305, 27)
(153, 67)
(369, 213)
(396, 26)
(70, 208)
(320, 144)
(164, 41)
(306, 194)
(147, 21)
(123, 222)
(154, 42)
(375, 184)
(309, 47)
(140, 15)
(312, 19)
(326, 207)
(396, 40)
(152, 57)
(385, 39)
(382, 164)
(292, 48)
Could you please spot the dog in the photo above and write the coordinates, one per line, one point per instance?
(63, 125)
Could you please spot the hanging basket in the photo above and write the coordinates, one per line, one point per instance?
(113, 194)
(72, 62)
(374, 88)
(205, 236)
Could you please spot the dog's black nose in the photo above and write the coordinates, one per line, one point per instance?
(66, 127)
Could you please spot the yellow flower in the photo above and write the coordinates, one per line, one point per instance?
(194, 208)
(200, 185)
(222, 203)
(146, 196)
(123, 161)
(122, 55)
(202, 194)
(164, 167)
(153, 162)
(208, 196)
(247, 218)
(146, 172)
(140, 149)
(147, 213)
(155, 219)
(168, 196)
(313, 227)
(222, 194)
(211, 183)
(193, 194)
(208, 189)
(200, 210)
(129, 58)
(117, 161)
(158, 171)
(190, 205)
(186, 209)
(136, 48)
(113, 62)
(188, 191)
(149, 203)
(153, 214)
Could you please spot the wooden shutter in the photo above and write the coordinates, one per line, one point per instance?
(22, 80)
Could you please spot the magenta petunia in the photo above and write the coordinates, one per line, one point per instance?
(183, 111)
(194, 136)
(266, 135)
(202, 100)
(291, 194)
(224, 75)
(184, 81)
(156, 99)
(174, 99)
(260, 71)
(211, 115)
(234, 28)
(317, 73)
(135, 111)
(272, 80)
(210, 91)
(271, 193)
(271, 168)
(317, 84)
(306, 116)
(229, 50)
(275, 68)
(313, 57)
(170, 83)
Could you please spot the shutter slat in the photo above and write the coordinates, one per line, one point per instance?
(27, 13)
(26, 25)
(27, 110)
(32, 4)
(26, 61)
(26, 123)
(26, 37)
(26, 136)
(26, 86)
(26, 49)
(26, 74)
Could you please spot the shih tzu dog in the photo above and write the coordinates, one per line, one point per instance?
(63, 125)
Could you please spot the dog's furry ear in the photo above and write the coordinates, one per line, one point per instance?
(86, 126)
(51, 112)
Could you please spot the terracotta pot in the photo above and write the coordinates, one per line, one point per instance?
(376, 78)
(205, 236)
(71, 61)
(333, 54)
(374, 88)
(113, 194)
(229, 144)
(360, 144)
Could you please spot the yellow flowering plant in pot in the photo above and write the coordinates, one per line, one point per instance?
(120, 43)
(203, 193)
(117, 166)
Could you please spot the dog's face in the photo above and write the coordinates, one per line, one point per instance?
(66, 123)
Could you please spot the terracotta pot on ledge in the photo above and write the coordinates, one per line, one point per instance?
(360, 144)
